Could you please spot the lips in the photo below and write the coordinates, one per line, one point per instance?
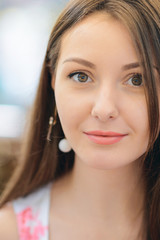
(104, 138)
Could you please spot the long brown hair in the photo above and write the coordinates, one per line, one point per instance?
(41, 161)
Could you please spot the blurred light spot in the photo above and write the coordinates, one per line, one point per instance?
(12, 120)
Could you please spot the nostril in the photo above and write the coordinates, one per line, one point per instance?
(104, 114)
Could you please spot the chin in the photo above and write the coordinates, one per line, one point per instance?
(106, 164)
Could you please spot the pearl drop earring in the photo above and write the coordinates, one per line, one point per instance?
(64, 145)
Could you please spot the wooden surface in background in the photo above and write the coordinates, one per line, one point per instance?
(9, 150)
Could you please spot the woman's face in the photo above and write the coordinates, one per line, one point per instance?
(100, 94)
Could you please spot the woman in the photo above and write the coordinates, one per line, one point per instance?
(99, 90)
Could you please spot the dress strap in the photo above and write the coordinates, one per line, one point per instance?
(32, 213)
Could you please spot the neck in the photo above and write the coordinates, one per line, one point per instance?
(112, 198)
(116, 193)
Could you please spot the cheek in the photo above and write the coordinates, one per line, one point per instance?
(139, 118)
(69, 109)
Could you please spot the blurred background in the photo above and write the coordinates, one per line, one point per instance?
(25, 27)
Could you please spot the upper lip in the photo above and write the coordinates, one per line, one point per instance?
(104, 133)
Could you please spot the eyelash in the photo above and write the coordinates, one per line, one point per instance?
(139, 75)
(71, 75)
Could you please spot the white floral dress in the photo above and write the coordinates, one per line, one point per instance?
(32, 213)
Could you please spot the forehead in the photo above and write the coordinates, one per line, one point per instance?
(95, 33)
(99, 38)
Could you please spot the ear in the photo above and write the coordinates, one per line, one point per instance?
(53, 81)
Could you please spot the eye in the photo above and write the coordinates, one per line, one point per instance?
(135, 80)
(80, 77)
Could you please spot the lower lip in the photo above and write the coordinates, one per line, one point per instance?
(105, 140)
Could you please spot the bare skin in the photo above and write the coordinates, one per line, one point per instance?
(87, 205)
(8, 223)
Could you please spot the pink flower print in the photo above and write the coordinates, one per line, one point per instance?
(30, 227)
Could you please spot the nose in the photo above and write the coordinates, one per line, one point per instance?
(105, 105)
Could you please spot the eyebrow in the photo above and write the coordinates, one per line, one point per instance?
(81, 61)
(130, 66)
(92, 65)
(135, 65)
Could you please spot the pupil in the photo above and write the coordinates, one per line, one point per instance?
(137, 80)
(82, 77)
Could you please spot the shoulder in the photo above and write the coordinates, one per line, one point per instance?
(25, 213)
(8, 223)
